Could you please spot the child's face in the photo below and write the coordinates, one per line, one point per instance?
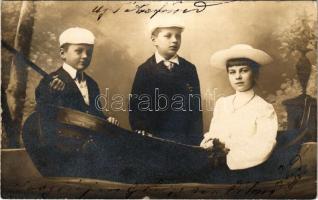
(241, 77)
(168, 41)
(77, 55)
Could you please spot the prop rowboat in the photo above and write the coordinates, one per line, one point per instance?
(66, 143)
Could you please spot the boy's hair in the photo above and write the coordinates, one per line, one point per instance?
(65, 46)
(155, 32)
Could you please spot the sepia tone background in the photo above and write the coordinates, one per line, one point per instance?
(122, 44)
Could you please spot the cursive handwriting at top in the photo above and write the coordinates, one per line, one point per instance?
(145, 8)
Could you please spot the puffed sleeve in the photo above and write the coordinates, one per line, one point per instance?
(252, 151)
(214, 125)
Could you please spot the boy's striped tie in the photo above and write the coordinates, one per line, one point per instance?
(168, 64)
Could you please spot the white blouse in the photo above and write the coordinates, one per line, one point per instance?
(249, 130)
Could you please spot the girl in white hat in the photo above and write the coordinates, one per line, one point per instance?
(244, 122)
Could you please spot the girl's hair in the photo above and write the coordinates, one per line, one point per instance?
(242, 62)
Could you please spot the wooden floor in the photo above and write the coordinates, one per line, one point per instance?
(20, 179)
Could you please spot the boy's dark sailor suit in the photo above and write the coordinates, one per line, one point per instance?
(71, 96)
(184, 123)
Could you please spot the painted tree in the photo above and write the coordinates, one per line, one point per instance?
(299, 38)
(16, 91)
(296, 41)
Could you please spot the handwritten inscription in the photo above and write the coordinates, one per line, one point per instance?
(147, 8)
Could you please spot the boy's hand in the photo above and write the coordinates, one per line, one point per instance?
(57, 84)
(113, 120)
(143, 132)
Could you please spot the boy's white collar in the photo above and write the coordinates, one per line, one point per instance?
(70, 70)
(159, 58)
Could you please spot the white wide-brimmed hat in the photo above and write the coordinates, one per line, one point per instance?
(77, 35)
(165, 21)
(219, 59)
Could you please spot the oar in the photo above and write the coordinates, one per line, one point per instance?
(24, 59)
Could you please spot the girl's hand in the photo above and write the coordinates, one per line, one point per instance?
(206, 142)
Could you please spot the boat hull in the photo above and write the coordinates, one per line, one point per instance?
(61, 145)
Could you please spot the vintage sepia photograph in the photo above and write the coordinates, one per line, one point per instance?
(159, 99)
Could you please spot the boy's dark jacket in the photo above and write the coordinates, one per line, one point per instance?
(181, 126)
(71, 96)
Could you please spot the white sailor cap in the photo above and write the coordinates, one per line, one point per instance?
(165, 21)
(77, 35)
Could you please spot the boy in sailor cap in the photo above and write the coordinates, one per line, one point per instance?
(171, 78)
(69, 86)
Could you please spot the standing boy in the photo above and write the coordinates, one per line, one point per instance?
(70, 86)
(170, 84)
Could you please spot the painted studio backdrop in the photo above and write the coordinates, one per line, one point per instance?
(123, 43)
